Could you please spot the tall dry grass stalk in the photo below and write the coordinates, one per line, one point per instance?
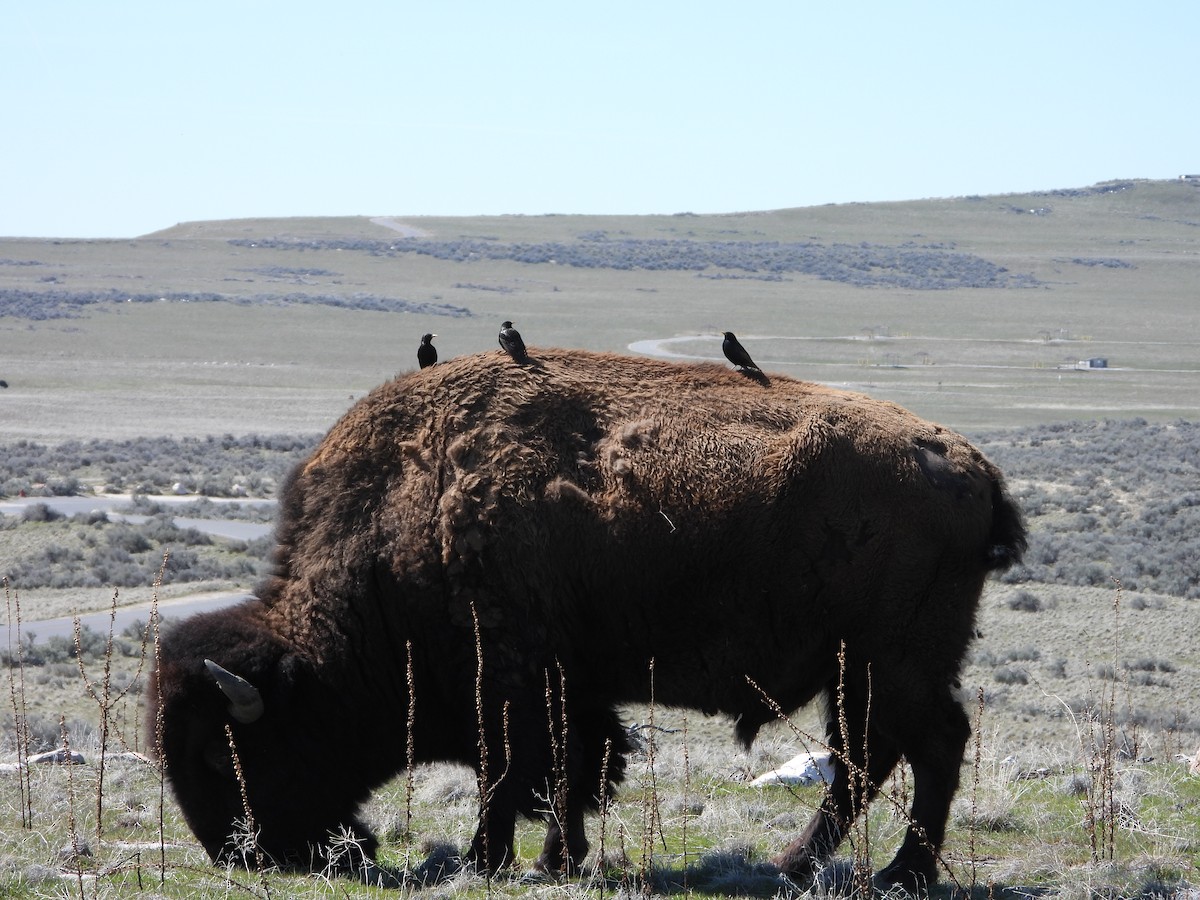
(16, 691)
(858, 829)
(605, 802)
(1100, 805)
(687, 792)
(107, 702)
(410, 752)
(977, 740)
(250, 835)
(486, 787)
(482, 773)
(651, 813)
(559, 736)
(77, 849)
(154, 634)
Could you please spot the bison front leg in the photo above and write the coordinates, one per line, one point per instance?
(521, 781)
(492, 847)
(595, 764)
(565, 853)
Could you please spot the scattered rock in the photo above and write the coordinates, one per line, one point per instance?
(132, 756)
(61, 756)
(73, 853)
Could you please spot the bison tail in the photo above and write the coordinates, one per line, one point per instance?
(1008, 540)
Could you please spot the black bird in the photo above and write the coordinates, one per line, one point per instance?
(736, 353)
(510, 341)
(427, 353)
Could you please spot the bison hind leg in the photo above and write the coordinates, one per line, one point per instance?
(847, 797)
(864, 755)
(935, 760)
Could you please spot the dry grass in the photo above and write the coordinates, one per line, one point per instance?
(210, 368)
(1091, 819)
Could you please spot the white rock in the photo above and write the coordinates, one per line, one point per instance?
(807, 768)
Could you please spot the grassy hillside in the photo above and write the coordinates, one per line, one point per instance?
(961, 309)
(123, 357)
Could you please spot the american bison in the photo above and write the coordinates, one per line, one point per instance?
(481, 535)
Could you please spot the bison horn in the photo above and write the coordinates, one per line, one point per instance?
(245, 702)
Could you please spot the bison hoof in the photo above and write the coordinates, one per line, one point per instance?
(374, 875)
(442, 864)
(553, 866)
(915, 877)
(800, 867)
(538, 875)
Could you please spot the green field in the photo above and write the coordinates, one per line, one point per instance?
(970, 311)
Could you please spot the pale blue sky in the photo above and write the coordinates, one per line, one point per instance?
(122, 118)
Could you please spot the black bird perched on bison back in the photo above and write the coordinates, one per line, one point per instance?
(510, 341)
(736, 353)
(427, 353)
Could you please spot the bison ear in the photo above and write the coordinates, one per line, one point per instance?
(245, 702)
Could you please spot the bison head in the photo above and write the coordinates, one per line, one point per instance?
(251, 739)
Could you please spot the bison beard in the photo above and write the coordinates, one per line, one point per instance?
(564, 524)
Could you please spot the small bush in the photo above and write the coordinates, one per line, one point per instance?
(1057, 668)
(995, 813)
(40, 512)
(1148, 664)
(1011, 675)
(1024, 601)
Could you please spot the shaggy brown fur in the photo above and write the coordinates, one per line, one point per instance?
(596, 512)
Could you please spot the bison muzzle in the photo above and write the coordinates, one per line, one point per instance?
(479, 536)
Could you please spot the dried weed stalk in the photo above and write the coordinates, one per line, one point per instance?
(77, 849)
(687, 792)
(153, 634)
(859, 834)
(651, 812)
(487, 788)
(977, 733)
(605, 802)
(1100, 804)
(16, 691)
(558, 756)
(410, 757)
(108, 701)
(250, 835)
